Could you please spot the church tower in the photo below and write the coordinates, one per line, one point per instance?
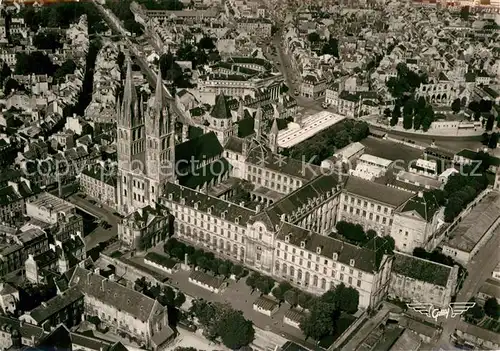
(258, 124)
(273, 137)
(160, 141)
(130, 144)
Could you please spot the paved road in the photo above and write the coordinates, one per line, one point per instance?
(99, 234)
(479, 269)
(141, 61)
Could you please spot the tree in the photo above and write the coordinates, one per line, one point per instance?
(304, 300)
(291, 297)
(396, 113)
(265, 284)
(331, 47)
(455, 105)
(408, 113)
(10, 85)
(347, 298)
(180, 298)
(492, 144)
(235, 331)
(278, 293)
(490, 122)
(252, 280)
(313, 37)
(320, 322)
(491, 308)
(68, 67)
(34, 63)
(49, 40)
(4, 73)
(464, 13)
(223, 269)
(475, 312)
(237, 270)
(206, 43)
(387, 112)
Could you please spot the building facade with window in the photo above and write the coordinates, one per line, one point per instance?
(317, 263)
(370, 204)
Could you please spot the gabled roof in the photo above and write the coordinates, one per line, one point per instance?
(378, 192)
(204, 147)
(426, 206)
(111, 293)
(221, 109)
(420, 269)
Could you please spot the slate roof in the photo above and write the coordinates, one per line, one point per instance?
(365, 259)
(221, 109)
(206, 279)
(263, 157)
(317, 188)
(206, 173)
(265, 303)
(205, 147)
(426, 206)
(111, 293)
(218, 206)
(375, 191)
(246, 127)
(420, 269)
(56, 304)
(234, 144)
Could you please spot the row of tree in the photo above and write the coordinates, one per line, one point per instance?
(221, 322)
(327, 309)
(262, 283)
(491, 308)
(463, 187)
(62, 14)
(165, 295)
(324, 144)
(202, 259)
(416, 114)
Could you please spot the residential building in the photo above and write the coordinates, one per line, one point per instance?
(370, 167)
(100, 183)
(123, 309)
(347, 155)
(145, 227)
(414, 279)
(66, 308)
(416, 221)
(317, 263)
(370, 204)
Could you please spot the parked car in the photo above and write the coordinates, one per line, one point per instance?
(93, 202)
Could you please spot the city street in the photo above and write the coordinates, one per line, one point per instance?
(479, 269)
(99, 234)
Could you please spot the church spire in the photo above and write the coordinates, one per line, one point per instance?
(159, 94)
(129, 98)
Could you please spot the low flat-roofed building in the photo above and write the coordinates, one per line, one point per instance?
(490, 288)
(347, 154)
(48, 208)
(425, 167)
(414, 279)
(370, 167)
(414, 182)
(293, 317)
(475, 229)
(408, 341)
(266, 305)
(484, 339)
(207, 281)
(311, 125)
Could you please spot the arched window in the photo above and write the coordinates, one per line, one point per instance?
(284, 268)
(308, 278)
(292, 271)
(315, 280)
(323, 283)
(277, 267)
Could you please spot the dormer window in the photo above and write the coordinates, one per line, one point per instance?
(223, 215)
(335, 256)
(287, 238)
(209, 210)
(237, 220)
(318, 250)
(170, 197)
(183, 201)
(302, 244)
(196, 205)
(351, 262)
